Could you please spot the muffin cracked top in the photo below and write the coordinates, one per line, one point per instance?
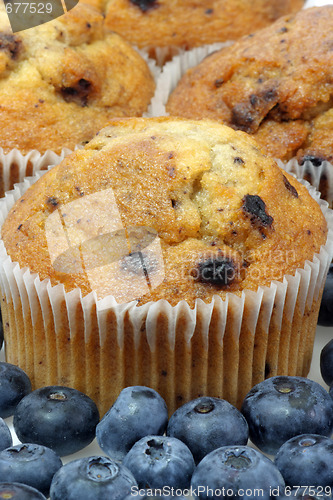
(165, 208)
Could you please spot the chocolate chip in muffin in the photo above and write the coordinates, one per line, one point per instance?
(219, 270)
(10, 44)
(145, 5)
(290, 187)
(255, 208)
(78, 93)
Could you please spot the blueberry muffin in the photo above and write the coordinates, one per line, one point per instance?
(64, 80)
(198, 237)
(185, 24)
(276, 84)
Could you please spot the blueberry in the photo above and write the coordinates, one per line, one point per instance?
(145, 5)
(306, 460)
(325, 317)
(254, 207)
(326, 362)
(58, 417)
(19, 491)
(158, 461)
(14, 385)
(137, 412)
(219, 270)
(282, 407)
(236, 471)
(92, 478)
(31, 464)
(207, 423)
(5, 436)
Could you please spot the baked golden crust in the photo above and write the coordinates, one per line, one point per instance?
(63, 81)
(207, 196)
(276, 84)
(189, 23)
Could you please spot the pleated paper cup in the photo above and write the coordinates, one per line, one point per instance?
(15, 166)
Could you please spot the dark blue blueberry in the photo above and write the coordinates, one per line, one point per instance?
(158, 461)
(58, 417)
(326, 362)
(306, 460)
(14, 385)
(238, 471)
(19, 491)
(92, 478)
(282, 407)
(137, 412)
(145, 5)
(5, 436)
(31, 464)
(325, 317)
(207, 423)
(255, 208)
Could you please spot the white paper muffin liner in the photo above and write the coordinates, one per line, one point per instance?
(221, 348)
(15, 166)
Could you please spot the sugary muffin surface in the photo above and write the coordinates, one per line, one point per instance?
(189, 209)
(189, 23)
(63, 81)
(276, 84)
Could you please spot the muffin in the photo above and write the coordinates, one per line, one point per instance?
(63, 81)
(275, 84)
(170, 25)
(168, 252)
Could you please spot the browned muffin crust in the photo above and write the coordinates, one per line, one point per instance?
(276, 84)
(190, 23)
(227, 217)
(63, 81)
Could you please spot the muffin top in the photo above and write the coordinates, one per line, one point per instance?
(63, 81)
(165, 208)
(276, 84)
(189, 23)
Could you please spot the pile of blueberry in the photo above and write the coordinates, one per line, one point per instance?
(201, 451)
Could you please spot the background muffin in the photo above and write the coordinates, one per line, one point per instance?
(190, 212)
(63, 81)
(188, 23)
(275, 84)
